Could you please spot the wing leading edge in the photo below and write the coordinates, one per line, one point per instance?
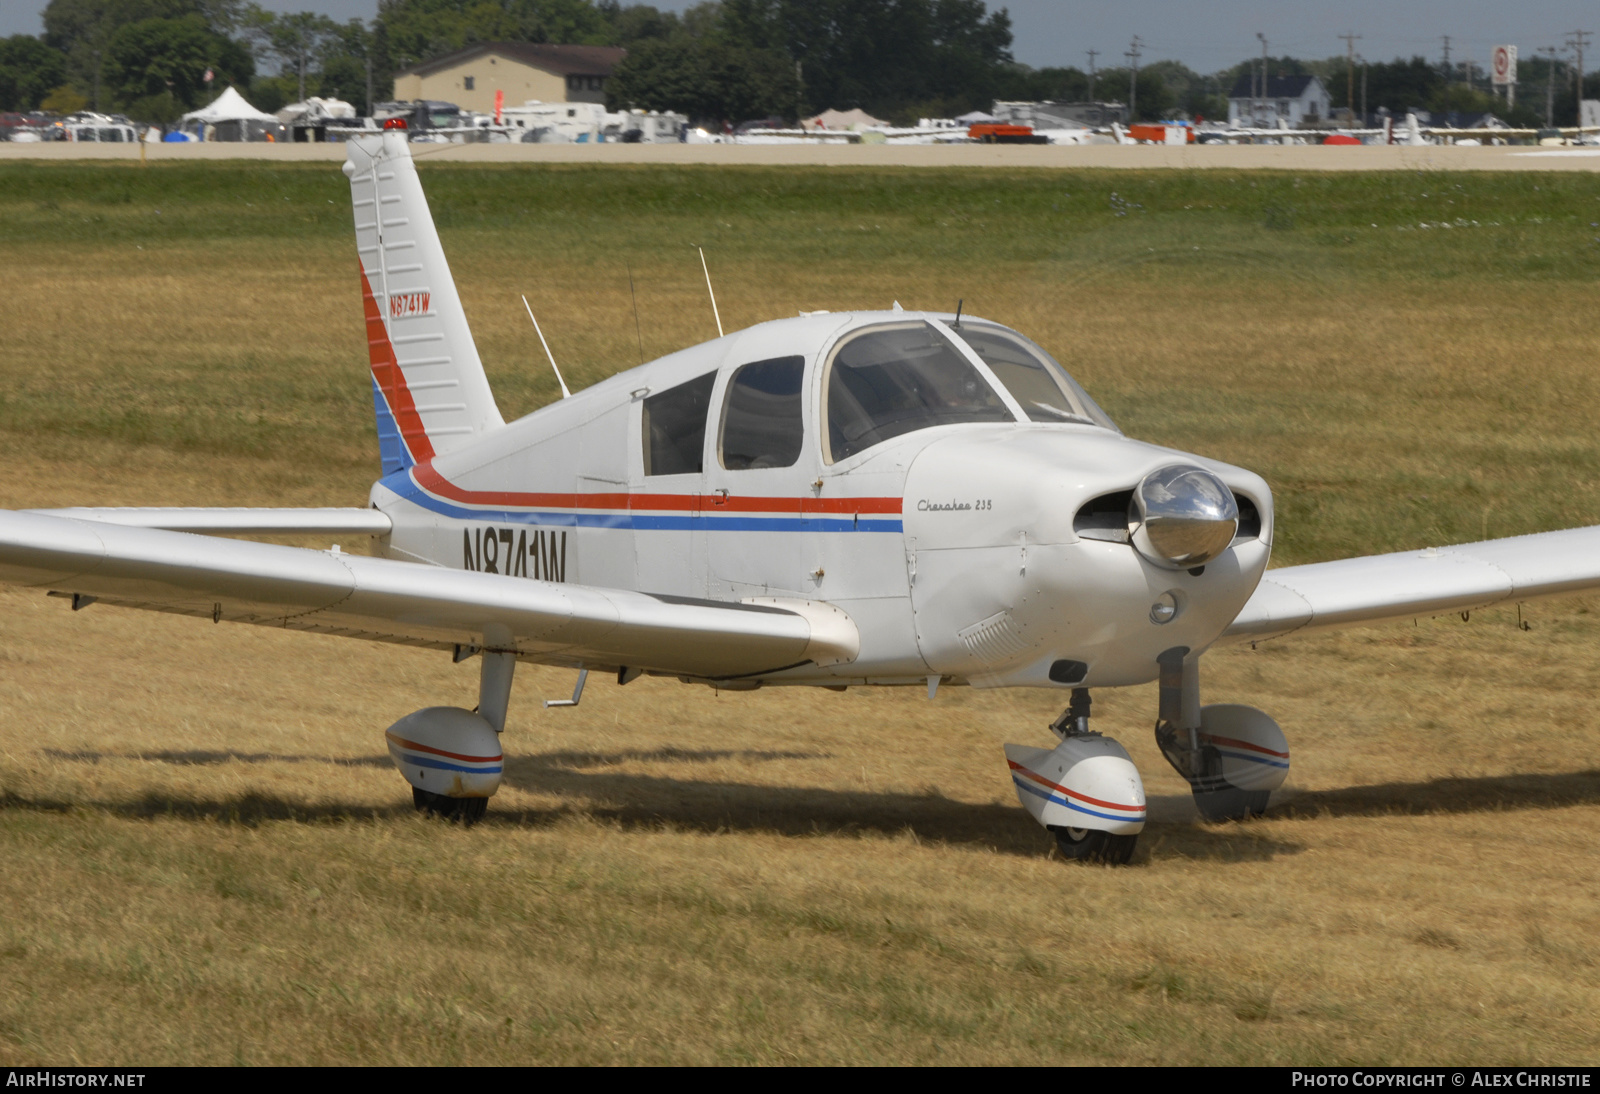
(391, 601)
(1409, 584)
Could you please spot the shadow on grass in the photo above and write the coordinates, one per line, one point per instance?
(645, 801)
(589, 784)
(1482, 794)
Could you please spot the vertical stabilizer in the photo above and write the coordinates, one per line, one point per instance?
(428, 385)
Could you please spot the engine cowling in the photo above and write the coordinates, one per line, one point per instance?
(447, 751)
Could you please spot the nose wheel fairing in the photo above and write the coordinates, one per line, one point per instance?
(1086, 782)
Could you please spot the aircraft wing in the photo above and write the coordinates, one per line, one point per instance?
(405, 602)
(365, 522)
(1379, 588)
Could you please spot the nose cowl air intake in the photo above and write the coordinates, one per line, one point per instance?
(1186, 516)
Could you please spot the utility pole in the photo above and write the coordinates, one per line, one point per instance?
(1257, 106)
(1363, 92)
(1447, 77)
(1576, 40)
(1550, 85)
(1350, 73)
(1093, 53)
(1133, 56)
(97, 81)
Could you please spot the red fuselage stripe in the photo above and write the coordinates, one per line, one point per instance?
(403, 743)
(391, 381)
(1232, 743)
(1042, 781)
(435, 483)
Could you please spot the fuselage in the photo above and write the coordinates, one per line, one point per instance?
(896, 465)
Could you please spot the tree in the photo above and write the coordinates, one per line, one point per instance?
(293, 38)
(415, 30)
(882, 55)
(156, 67)
(709, 79)
(29, 70)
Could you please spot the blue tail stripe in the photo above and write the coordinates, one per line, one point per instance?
(391, 448)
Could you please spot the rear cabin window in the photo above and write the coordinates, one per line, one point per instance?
(1034, 379)
(761, 423)
(887, 382)
(675, 428)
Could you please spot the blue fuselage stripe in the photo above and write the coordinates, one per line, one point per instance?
(1253, 758)
(446, 765)
(650, 522)
(1040, 792)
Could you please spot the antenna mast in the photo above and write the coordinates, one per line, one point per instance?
(565, 394)
(714, 313)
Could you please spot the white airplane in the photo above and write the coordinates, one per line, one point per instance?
(833, 500)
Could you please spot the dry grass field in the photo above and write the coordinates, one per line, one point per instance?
(208, 859)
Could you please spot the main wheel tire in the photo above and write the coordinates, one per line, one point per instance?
(1230, 803)
(466, 811)
(1093, 845)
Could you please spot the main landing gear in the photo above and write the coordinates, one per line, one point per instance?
(451, 757)
(1233, 756)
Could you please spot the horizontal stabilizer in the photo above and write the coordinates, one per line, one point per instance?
(1354, 592)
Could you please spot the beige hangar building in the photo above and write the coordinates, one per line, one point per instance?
(523, 70)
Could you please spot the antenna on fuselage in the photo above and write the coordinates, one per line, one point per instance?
(959, 304)
(564, 392)
(638, 333)
(714, 313)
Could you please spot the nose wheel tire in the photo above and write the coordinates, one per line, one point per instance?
(466, 811)
(1092, 845)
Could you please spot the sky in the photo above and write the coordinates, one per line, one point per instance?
(1205, 36)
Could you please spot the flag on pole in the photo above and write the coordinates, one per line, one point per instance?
(209, 75)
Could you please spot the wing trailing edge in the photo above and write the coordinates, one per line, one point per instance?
(391, 601)
(237, 521)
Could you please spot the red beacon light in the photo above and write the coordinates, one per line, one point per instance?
(395, 123)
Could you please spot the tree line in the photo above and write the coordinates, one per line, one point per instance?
(718, 60)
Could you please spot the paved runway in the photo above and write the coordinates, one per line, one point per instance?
(1236, 157)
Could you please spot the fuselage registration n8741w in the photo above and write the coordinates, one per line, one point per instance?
(871, 498)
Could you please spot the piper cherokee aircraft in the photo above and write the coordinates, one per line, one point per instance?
(871, 498)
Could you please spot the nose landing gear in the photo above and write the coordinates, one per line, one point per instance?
(1085, 791)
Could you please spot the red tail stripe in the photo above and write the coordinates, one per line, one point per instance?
(1233, 743)
(1042, 781)
(430, 479)
(391, 381)
(403, 743)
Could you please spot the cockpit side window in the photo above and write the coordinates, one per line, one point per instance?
(1034, 379)
(761, 424)
(890, 381)
(674, 424)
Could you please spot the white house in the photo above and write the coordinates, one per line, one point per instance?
(1296, 100)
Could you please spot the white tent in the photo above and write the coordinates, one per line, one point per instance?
(843, 119)
(229, 107)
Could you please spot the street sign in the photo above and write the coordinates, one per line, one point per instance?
(1503, 65)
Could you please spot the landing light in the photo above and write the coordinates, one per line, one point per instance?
(1187, 517)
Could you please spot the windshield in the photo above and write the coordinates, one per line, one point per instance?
(1034, 379)
(890, 381)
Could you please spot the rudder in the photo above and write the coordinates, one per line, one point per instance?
(428, 386)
